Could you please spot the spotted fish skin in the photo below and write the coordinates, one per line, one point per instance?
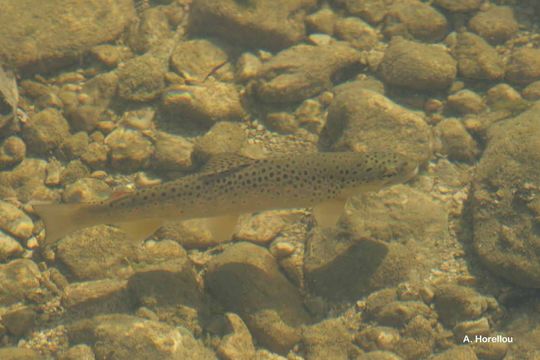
(242, 186)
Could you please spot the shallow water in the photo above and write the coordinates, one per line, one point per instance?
(100, 99)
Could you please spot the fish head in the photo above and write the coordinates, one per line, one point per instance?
(376, 170)
(398, 169)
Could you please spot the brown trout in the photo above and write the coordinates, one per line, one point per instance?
(230, 185)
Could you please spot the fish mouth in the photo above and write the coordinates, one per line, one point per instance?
(407, 172)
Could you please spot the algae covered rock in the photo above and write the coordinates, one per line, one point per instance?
(204, 104)
(361, 120)
(254, 23)
(12, 151)
(141, 78)
(506, 209)
(58, 31)
(14, 221)
(129, 337)
(477, 59)
(497, 24)
(18, 278)
(417, 66)
(245, 279)
(524, 66)
(302, 71)
(130, 149)
(415, 19)
(45, 131)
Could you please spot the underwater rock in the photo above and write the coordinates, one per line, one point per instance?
(373, 247)
(303, 71)
(32, 41)
(524, 66)
(74, 146)
(237, 344)
(329, 339)
(245, 279)
(455, 303)
(532, 91)
(347, 270)
(78, 352)
(466, 102)
(417, 66)
(322, 21)
(399, 313)
(260, 228)
(356, 32)
(457, 143)
(19, 320)
(505, 204)
(45, 131)
(87, 254)
(418, 338)
(86, 190)
(98, 93)
(223, 137)
(197, 59)
(18, 278)
(73, 171)
(9, 247)
(172, 152)
(282, 122)
(372, 11)
(456, 353)
(12, 151)
(142, 78)
(165, 282)
(129, 337)
(497, 24)
(89, 298)
(417, 322)
(477, 59)
(111, 55)
(375, 338)
(253, 23)
(360, 120)
(504, 97)
(415, 19)
(191, 234)
(15, 221)
(27, 179)
(248, 67)
(16, 353)
(130, 149)
(206, 103)
(459, 5)
(150, 31)
(96, 155)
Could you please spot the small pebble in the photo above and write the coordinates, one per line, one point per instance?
(15, 221)
(9, 247)
(281, 249)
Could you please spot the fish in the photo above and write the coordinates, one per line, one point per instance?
(230, 185)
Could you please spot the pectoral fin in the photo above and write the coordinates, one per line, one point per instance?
(140, 229)
(327, 213)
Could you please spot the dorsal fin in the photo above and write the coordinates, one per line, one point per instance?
(224, 163)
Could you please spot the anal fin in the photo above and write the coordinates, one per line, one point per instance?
(328, 213)
(140, 229)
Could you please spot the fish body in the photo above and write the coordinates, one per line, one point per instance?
(231, 185)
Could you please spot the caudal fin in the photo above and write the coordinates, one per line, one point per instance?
(59, 220)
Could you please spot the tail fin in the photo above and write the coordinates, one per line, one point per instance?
(59, 220)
